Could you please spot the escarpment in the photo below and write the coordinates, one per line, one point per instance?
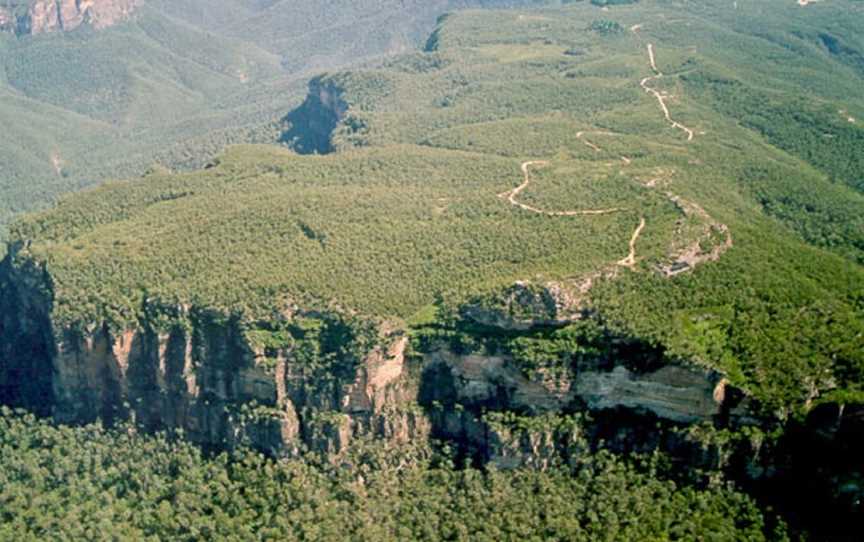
(44, 16)
(312, 382)
(305, 380)
(318, 381)
(498, 413)
(309, 128)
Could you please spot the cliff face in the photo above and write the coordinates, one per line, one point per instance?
(317, 382)
(200, 370)
(204, 377)
(309, 128)
(225, 380)
(498, 414)
(43, 16)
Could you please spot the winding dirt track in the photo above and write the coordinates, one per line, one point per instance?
(511, 196)
(595, 148)
(661, 96)
(630, 261)
(681, 258)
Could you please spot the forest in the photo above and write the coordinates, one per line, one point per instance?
(533, 195)
(93, 483)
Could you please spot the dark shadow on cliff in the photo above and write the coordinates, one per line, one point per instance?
(26, 348)
(309, 128)
(814, 476)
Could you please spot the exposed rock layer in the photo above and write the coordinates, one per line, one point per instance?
(198, 369)
(43, 16)
(199, 372)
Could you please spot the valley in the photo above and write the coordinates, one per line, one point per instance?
(108, 89)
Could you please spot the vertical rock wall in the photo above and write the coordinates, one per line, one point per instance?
(200, 373)
(45, 16)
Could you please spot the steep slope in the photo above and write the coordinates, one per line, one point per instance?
(31, 17)
(81, 106)
(111, 87)
(618, 175)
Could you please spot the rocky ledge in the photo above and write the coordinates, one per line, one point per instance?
(43, 16)
(299, 380)
(304, 381)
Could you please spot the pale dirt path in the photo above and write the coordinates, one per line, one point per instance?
(630, 261)
(571, 293)
(661, 96)
(595, 148)
(512, 195)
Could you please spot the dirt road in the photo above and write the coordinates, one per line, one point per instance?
(661, 96)
(512, 196)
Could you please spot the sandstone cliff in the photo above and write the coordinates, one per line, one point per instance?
(42, 16)
(306, 380)
(205, 372)
(309, 128)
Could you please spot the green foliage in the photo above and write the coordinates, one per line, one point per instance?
(558, 349)
(89, 483)
(419, 231)
(173, 86)
(407, 215)
(606, 27)
(788, 334)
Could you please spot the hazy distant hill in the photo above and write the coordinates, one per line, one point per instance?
(111, 87)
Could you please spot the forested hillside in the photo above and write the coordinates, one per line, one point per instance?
(172, 83)
(551, 235)
(429, 145)
(95, 484)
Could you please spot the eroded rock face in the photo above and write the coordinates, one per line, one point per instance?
(673, 393)
(499, 414)
(203, 371)
(206, 379)
(44, 16)
(551, 440)
(198, 371)
(525, 306)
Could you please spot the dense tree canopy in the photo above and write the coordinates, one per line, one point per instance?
(60, 483)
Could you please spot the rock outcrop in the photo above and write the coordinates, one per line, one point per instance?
(525, 306)
(315, 381)
(318, 382)
(43, 16)
(287, 386)
(496, 413)
(310, 127)
(202, 371)
(673, 393)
